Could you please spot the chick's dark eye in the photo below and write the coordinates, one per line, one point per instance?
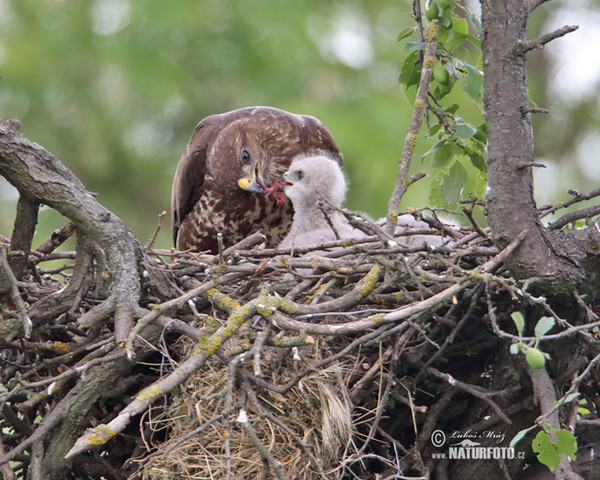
(245, 156)
(300, 174)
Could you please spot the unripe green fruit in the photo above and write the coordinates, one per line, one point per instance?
(440, 74)
(445, 4)
(432, 11)
(535, 358)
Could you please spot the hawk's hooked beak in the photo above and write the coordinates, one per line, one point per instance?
(253, 183)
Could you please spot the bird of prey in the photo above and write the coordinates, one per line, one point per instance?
(309, 179)
(229, 163)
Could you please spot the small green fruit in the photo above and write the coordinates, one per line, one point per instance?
(445, 4)
(440, 74)
(432, 11)
(535, 357)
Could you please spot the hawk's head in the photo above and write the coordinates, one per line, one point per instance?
(253, 152)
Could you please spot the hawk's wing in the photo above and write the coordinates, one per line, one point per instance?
(189, 176)
(315, 137)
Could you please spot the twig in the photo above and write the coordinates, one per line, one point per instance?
(264, 451)
(539, 42)
(468, 211)
(25, 222)
(157, 310)
(574, 216)
(15, 295)
(430, 36)
(475, 391)
(577, 197)
(57, 238)
(150, 242)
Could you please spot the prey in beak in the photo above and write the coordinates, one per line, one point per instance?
(278, 188)
(253, 183)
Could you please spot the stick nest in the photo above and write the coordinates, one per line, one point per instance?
(332, 363)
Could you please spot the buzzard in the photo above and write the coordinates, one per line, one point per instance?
(231, 161)
(310, 179)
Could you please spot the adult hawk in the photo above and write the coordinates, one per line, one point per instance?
(228, 165)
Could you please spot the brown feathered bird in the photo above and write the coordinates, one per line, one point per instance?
(229, 164)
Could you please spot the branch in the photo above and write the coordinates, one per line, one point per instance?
(574, 216)
(577, 197)
(523, 47)
(402, 181)
(533, 4)
(544, 390)
(39, 175)
(15, 295)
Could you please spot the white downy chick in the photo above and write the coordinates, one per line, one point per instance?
(309, 180)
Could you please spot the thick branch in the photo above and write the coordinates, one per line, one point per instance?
(40, 176)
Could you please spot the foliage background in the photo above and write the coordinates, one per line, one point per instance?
(114, 88)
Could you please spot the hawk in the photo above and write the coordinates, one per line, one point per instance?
(231, 161)
(308, 180)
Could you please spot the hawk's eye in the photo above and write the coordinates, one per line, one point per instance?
(245, 156)
(300, 174)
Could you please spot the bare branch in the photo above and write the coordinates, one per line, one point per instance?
(525, 46)
(574, 216)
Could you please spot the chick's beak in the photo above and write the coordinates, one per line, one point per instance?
(285, 180)
(253, 183)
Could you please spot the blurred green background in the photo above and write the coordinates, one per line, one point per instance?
(114, 88)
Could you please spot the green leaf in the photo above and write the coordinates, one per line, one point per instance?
(472, 83)
(443, 154)
(454, 182)
(477, 160)
(566, 443)
(439, 144)
(546, 450)
(464, 130)
(406, 32)
(410, 73)
(445, 20)
(433, 130)
(551, 447)
(535, 358)
(461, 26)
(517, 438)
(519, 322)
(415, 45)
(571, 397)
(543, 326)
(481, 134)
(476, 22)
(473, 40)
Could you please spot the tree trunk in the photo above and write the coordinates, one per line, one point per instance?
(557, 261)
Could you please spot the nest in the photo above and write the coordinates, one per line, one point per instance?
(312, 421)
(336, 362)
(293, 401)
